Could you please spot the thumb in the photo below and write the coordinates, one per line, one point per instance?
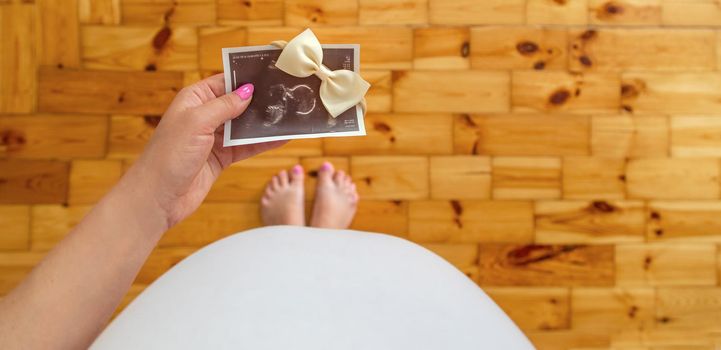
(219, 110)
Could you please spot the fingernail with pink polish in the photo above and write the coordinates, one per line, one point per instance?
(297, 169)
(245, 91)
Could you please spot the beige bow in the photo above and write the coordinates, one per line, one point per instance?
(339, 89)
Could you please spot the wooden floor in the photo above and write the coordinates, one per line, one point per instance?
(565, 154)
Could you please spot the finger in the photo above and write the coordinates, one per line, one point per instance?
(217, 111)
(216, 83)
(247, 151)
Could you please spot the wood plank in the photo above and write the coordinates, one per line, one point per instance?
(14, 267)
(464, 12)
(50, 224)
(463, 256)
(441, 48)
(33, 181)
(666, 339)
(194, 12)
(211, 222)
(571, 12)
(312, 165)
(625, 12)
(521, 135)
(546, 265)
(250, 13)
(391, 177)
(385, 12)
(689, 308)
(664, 264)
(534, 308)
(695, 136)
(673, 178)
(99, 12)
(690, 12)
(390, 217)
(461, 92)
(555, 91)
(671, 93)
(53, 136)
(379, 97)
(460, 177)
(19, 28)
(320, 12)
(210, 42)
(589, 222)
(570, 339)
(147, 48)
(411, 134)
(59, 33)
(129, 134)
(246, 180)
(90, 180)
(612, 309)
(698, 221)
(67, 91)
(626, 136)
(384, 47)
(470, 221)
(15, 223)
(593, 178)
(642, 49)
(498, 47)
(526, 177)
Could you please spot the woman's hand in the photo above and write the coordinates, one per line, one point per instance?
(186, 155)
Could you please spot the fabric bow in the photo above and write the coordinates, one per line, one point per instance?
(339, 89)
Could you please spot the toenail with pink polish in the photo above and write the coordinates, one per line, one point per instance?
(297, 169)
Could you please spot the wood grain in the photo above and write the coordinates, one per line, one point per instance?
(521, 135)
(53, 136)
(546, 265)
(543, 309)
(589, 222)
(19, 29)
(15, 221)
(33, 181)
(66, 91)
(663, 264)
(397, 177)
(504, 47)
(563, 154)
(463, 92)
(400, 133)
(526, 177)
(470, 221)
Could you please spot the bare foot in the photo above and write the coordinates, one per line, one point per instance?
(282, 202)
(335, 199)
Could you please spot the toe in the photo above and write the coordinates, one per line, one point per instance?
(296, 175)
(283, 177)
(339, 177)
(326, 171)
(274, 183)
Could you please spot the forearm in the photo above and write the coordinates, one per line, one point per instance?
(68, 298)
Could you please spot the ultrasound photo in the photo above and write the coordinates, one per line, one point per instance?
(283, 106)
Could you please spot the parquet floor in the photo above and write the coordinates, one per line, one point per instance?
(565, 154)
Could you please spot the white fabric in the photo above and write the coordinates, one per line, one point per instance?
(289, 287)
